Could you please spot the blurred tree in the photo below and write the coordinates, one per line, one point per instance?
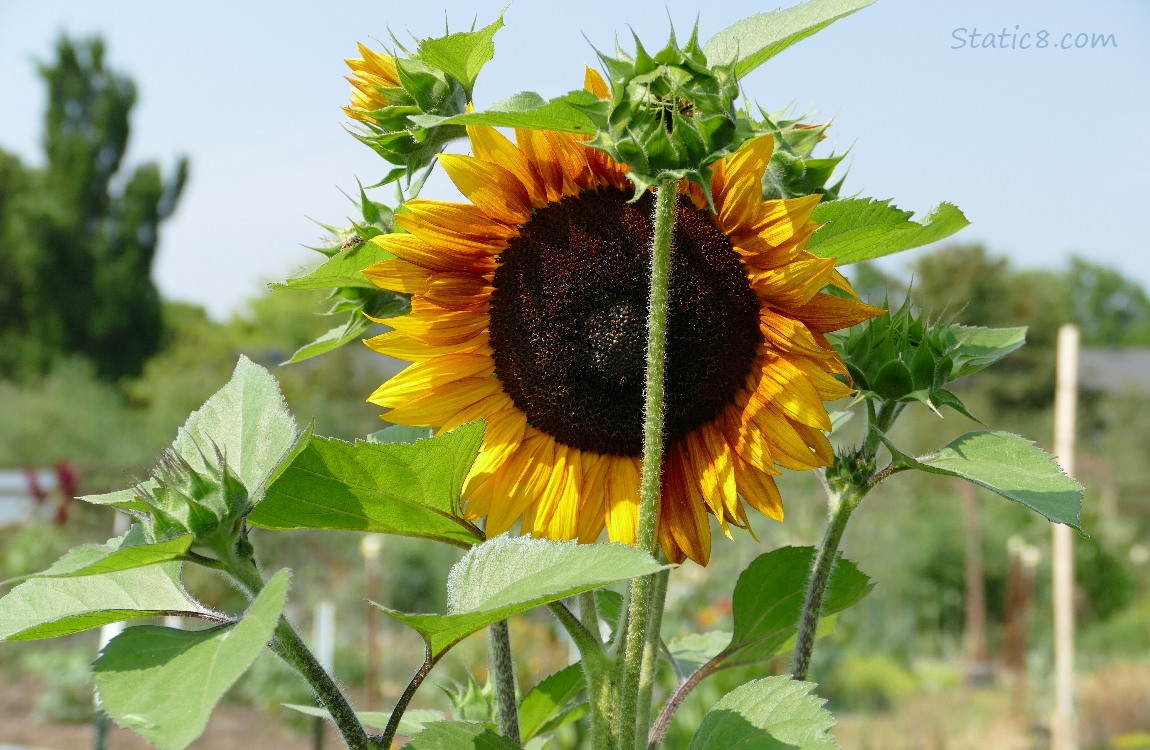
(77, 237)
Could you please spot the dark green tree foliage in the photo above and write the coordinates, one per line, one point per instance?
(78, 237)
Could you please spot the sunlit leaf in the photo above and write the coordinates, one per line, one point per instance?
(122, 553)
(342, 269)
(527, 109)
(414, 719)
(547, 700)
(774, 713)
(462, 55)
(412, 490)
(857, 229)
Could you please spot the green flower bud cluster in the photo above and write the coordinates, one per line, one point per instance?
(792, 171)
(210, 503)
(901, 357)
(671, 114)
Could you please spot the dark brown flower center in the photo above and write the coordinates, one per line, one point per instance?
(569, 321)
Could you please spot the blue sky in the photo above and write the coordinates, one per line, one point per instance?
(1045, 149)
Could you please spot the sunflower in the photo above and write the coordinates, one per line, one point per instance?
(529, 309)
(373, 73)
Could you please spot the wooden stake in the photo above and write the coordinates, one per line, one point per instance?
(1064, 735)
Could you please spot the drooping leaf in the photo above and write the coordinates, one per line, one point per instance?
(163, 683)
(774, 713)
(332, 339)
(411, 490)
(1009, 465)
(527, 109)
(345, 268)
(459, 735)
(768, 601)
(548, 700)
(751, 42)
(462, 55)
(977, 347)
(413, 720)
(508, 575)
(857, 229)
(51, 607)
(122, 553)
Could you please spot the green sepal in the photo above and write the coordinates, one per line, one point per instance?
(463, 54)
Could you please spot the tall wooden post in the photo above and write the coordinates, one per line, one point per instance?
(1064, 735)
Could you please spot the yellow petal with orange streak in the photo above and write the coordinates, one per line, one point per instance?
(442, 327)
(708, 465)
(540, 151)
(436, 408)
(424, 377)
(787, 389)
(621, 497)
(826, 312)
(479, 503)
(815, 370)
(682, 510)
(592, 510)
(434, 257)
(481, 409)
(493, 189)
(460, 219)
(397, 275)
(785, 334)
(786, 445)
(594, 83)
(759, 490)
(794, 284)
(537, 517)
(458, 291)
(402, 346)
(503, 435)
(492, 146)
(520, 486)
(737, 205)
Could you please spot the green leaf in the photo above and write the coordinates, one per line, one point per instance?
(401, 433)
(768, 601)
(693, 650)
(857, 229)
(610, 607)
(774, 713)
(508, 575)
(459, 735)
(462, 55)
(412, 721)
(527, 109)
(1009, 465)
(411, 490)
(548, 699)
(343, 269)
(332, 339)
(163, 683)
(122, 553)
(977, 347)
(247, 421)
(751, 42)
(51, 607)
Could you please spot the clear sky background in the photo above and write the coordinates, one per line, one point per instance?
(1046, 150)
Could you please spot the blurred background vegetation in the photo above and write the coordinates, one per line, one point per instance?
(98, 371)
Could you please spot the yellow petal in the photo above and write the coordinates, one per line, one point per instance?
(493, 189)
(622, 499)
(424, 377)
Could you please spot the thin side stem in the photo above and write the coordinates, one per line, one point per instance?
(597, 670)
(842, 505)
(642, 589)
(589, 614)
(651, 651)
(659, 729)
(503, 677)
(287, 644)
(385, 741)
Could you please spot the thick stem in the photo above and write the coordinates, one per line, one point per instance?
(843, 504)
(287, 644)
(642, 589)
(503, 677)
(651, 651)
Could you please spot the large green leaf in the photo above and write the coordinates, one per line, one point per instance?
(508, 575)
(412, 490)
(412, 721)
(751, 42)
(976, 348)
(857, 229)
(50, 607)
(768, 601)
(462, 55)
(345, 268)
(247, 422)
(527, 109)
(775, 713)
(1009, 465)
(459, 735)
(163, 683)
(548, 700)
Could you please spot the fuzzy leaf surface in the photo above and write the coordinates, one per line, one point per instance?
(774, 713)
(413, 720)
(508, 575)
(121, 553)
(463, 54)
(459, 735)
(856, 229)
(1006, 464)
(411, 490)
(51, 607)
(342, 269)
(163, 683)
(751, 42)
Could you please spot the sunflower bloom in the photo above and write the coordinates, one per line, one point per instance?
(529, 309)
(374, 72)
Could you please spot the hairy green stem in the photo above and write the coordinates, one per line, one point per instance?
(672, 705)
(503, 677)
(287, 644)
(843, 502)
(589, 614)
(651, 651)
(597, 671)
(639, 604)
(385, 741)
